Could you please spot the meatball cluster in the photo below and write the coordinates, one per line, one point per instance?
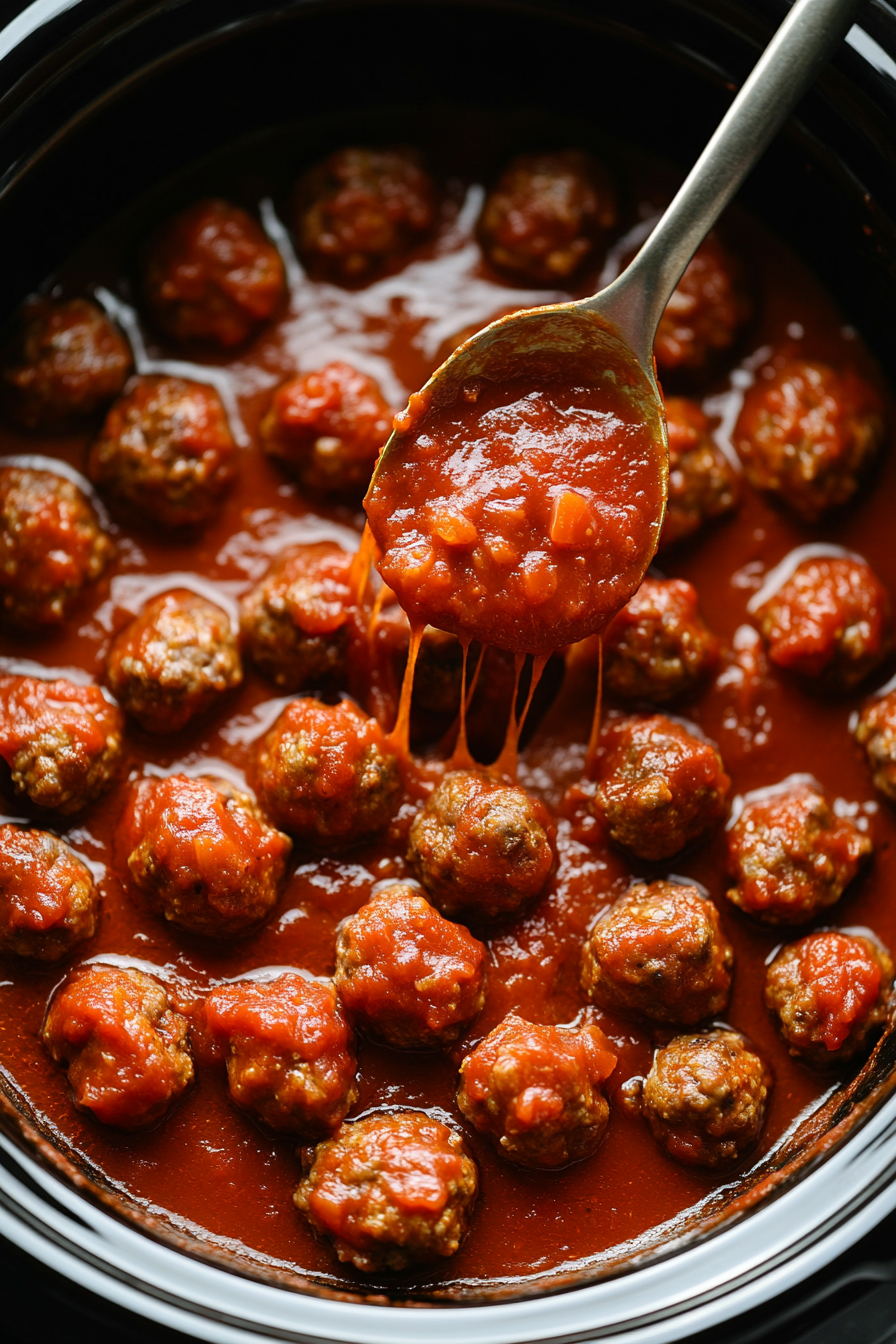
(658, 646)
(48, 900)
(876, 732)
(702, 482)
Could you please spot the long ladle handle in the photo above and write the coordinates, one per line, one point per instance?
(797, 52)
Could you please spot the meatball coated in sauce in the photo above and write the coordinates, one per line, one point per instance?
(174, 661)
(405, 974)
(876, 732)
(659, 953)
(211, 274)
(660, 785)
(658, 646)
(481, 848)
(289, 1050)
(202, 854)
(706, 312)
(48, 900)
(702, 482)
(66, 361)
(390, 1190)
(52, 545)
(791, 856)
(829, 993)
(165, 452)
(125, 1049)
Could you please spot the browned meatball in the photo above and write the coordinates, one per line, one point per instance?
(48, 900)
(807, 433)
(659, 953)
(660, 785)
(290, 1054)
(658, 645)
(211, 274)
(326, 774)
(125, 1049)
(705, 314)
(547, 215)
(405, 974)
(51, 545)
(202, 854)
(65, 362)
(390, 1190)
(702, 482)
(876, 731)
(481, 847)
(166, 451)
(791, 856)
(174, 661)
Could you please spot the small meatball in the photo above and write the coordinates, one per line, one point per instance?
(480, 847)
(326, 774)
(405, 974)
(202, 854)
(290, 1054)
(62, 742)
(658, 646)
(547, 214)
(830, 620)
(702, 482)
(659, 953)
(361, 209)
(295, 621)
(705, 314)
(165, 452)
(174, 661)
(211, 274)
(65, 362)
(829, 993)
(705, 1098)
(51, 545)
(660, 786)
(807, 433)
(876, 731)
(125, 1049)
(48, 900)
(390, 1190)
(791, 856)
(327, 428)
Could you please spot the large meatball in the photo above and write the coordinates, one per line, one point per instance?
(166, 451)
(62, 742)
(174, 661)
(481, 848)
(202, 854)
(547, 215)
(390, 1190)
(706, 312)
(660, 785)
(211, 274)
(876, 731)
(658, 645)
(659, 953)
(829, 993)
(290, 1054)
(48, 900)
(65, 362)
(702, 482)
(807, 433)
(326, 774)
(362, 208)
(791, 856)
(405, 974)
(125, 1049)
(51, 545)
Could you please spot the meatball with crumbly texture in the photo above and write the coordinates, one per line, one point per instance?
(124, 1047)
(658, 646)
(52, 545)
(289, 1050)
(390, 1190)
(166, 451)
(202, 854)
(659, 953)
(807, 434)
(480, 847)
(791, 856)
(326, 774)
(705, 314)
(48, 900)
(660, 785)
(876, 732)
(405, 974)
(702, 482)
(62, 742)
(174, 661)
(211, 274)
